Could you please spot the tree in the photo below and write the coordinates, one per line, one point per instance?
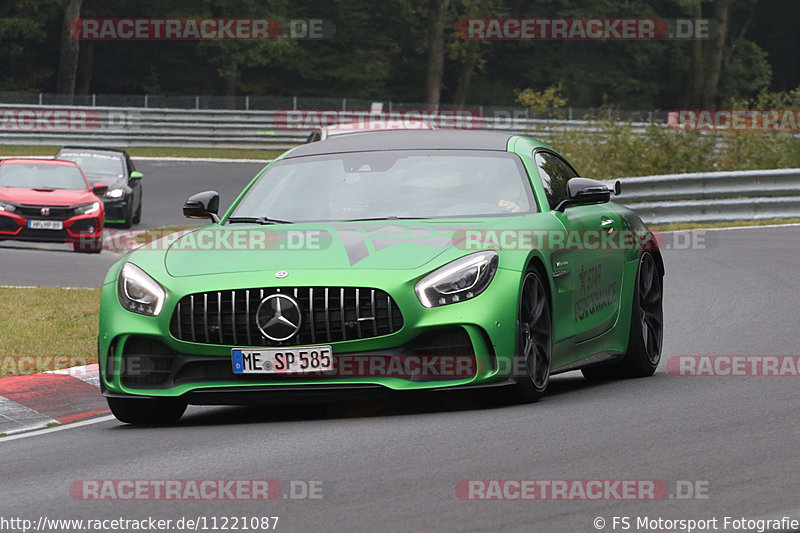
(437, 9)
(70, 50)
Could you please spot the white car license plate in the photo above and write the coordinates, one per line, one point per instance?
(45, 224)
(290, 360)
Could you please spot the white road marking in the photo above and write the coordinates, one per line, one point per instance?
(59, 428)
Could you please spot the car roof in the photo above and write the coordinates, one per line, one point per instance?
(407, 140)
(39, 161)
(384, 125)
(94, 149)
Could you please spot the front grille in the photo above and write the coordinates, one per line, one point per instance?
(328, 314)
(56, 213)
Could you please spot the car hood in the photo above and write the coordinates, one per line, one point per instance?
(54, 197)
(384, 245)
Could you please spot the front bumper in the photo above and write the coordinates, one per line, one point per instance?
(75, 229)
(117, 209)
(139, 357)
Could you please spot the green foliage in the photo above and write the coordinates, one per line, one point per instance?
(542, 102)
(616, 150)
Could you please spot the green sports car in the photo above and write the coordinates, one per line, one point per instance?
(381, 263)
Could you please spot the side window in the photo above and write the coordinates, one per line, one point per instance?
(555, 174)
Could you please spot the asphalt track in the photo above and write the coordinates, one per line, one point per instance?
(394, 466)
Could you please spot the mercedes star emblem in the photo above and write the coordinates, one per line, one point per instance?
(278, 317)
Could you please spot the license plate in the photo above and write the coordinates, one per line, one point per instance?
(45, 224)
(294, 360)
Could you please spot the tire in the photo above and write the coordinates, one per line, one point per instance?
(128, 222)
(646, 330)
(534, 339)
(146, 412)
(138, 216)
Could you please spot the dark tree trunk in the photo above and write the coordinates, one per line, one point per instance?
(86, 68)
(229, 86)
(467, 69)
(70, 49)
(716, 50)
(698, 60)
(433, 78)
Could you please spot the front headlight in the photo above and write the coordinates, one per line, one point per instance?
(7, 206)
(460, 280)
(114, 193)
(138, 292)
(87, 209)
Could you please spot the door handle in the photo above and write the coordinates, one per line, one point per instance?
(607, 224)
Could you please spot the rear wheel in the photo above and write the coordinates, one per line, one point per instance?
(149, 412)
(646, 328)
(534, 340)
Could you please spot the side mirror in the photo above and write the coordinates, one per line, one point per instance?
(202, 205)
(135, 178)
(99, 189)
(585, 191)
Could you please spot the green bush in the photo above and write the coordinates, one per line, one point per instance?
(617, 149)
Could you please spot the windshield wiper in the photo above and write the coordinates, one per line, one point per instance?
(393, 217)
(259, 220)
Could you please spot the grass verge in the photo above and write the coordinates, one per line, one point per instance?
(221, 153)
(47, 329)
(677, 226)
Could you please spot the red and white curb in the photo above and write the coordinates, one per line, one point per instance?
(49, 399)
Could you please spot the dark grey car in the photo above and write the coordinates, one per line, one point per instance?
(123, 200)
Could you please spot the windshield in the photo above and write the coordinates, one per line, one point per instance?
(96, 164)
(41, 176)
(390, 184)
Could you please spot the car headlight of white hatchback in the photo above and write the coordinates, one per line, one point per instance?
(457, 281)
(138, 292)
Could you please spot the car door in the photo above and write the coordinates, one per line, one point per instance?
(588, 259)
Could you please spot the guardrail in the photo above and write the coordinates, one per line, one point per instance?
(189, 128)
(714, 196)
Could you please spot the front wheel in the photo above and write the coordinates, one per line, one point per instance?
(146, 412)
(138, 216)
(127, 222)
(534, 345)
(646, 328)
